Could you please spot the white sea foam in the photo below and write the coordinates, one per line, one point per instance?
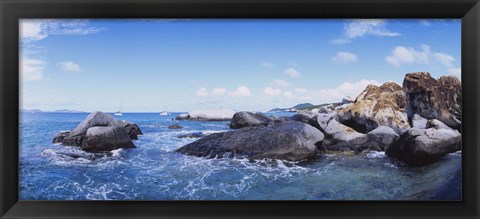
(376, 154)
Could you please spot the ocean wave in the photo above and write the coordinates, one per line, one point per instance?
(376, 154)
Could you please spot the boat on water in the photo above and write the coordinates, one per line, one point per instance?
(118, 113)
(164, 113)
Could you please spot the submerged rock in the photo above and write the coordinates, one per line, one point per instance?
(245, 119)
(434, 99)
(377, 106)
(287, 140)
(175, 126)
(423, 146)
(192, 135)
(100, 132)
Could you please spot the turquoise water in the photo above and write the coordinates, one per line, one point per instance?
(153, 171)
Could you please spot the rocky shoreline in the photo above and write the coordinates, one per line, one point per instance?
(416, 124)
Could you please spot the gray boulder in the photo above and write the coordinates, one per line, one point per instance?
(245, 119)
(418, 147)
(436, 124)
(59, 137)
(290, 140)
(320, 121)
(105, 133)
(341, 137)
(303, 116)
(94, 119)
(106, 139)
(381, 138)
(132, 129)
(419, 122)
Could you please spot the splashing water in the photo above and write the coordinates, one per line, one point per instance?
(154, 171)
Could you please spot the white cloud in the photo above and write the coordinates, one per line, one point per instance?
(271, 91)
(293, 73)
(406, 55)
(345, 58)
(345, 89)
(364, 27)
(219, 91)
(300, 90)
(31, 69)
(281, 83)
(266, 64)
(202, 92)
(403, 55)
(241, 91)
(69, 66)
(288, 95)
(444, 59)
(425, 23)
(455, 71)
(38, 29)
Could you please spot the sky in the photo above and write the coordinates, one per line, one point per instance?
(181, 65)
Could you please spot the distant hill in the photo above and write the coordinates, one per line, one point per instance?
(296, 107)
(302, 106)
(31, 110)
(67, 111)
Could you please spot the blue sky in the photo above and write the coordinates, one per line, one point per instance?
(183, 65)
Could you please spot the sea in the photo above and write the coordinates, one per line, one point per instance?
(154, 171)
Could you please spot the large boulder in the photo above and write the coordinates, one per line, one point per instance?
(109, 138)
(381, 138)
(419, 122)
(60, 136)
(290, 140)
(436, 124)
(100, 132)
(132, 129)
(211, 115)
(423, 146)
(434, 99)
(303, 116)
(245, 119)
(340, 137)
(377, 106)
(94, 119)
(320, 121)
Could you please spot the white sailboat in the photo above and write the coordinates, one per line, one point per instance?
(119, 113)
(164, 113)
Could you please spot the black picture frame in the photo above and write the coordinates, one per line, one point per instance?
(13, 10)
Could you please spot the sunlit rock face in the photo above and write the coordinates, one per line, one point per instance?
(377, 106)
(434, 99)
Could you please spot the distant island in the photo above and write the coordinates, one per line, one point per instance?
(55, 111)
